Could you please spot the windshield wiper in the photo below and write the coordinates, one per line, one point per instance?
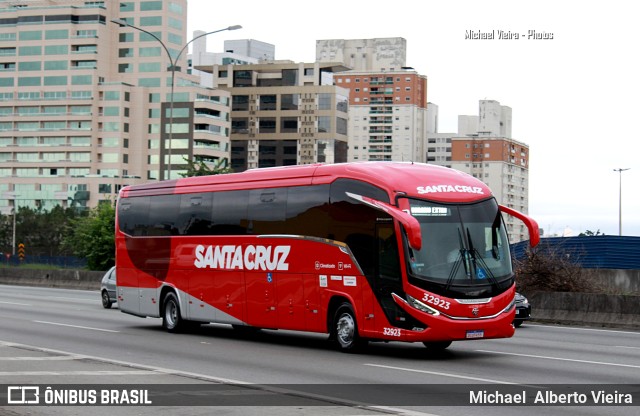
(477, 258)
(462, 258)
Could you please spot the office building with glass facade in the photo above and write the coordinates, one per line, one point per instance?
(85, 103)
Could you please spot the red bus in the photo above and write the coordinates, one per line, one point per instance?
(361, 251)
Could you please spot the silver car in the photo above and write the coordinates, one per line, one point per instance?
(108, 288)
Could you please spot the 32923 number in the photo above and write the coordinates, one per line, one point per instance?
(392, 332)
(434, 300)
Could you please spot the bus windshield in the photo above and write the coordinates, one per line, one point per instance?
(463, 245)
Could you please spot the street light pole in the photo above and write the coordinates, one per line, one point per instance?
(620, 170)
(173, 61)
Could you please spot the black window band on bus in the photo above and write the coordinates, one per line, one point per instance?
(300, 210)
(294, 210)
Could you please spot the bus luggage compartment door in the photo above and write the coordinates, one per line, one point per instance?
(261, 299)
(291, 311)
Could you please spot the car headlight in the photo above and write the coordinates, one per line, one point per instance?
(421, 306)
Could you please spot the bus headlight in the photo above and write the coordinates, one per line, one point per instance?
(421, 306)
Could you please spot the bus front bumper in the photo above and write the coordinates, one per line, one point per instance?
(444, 328)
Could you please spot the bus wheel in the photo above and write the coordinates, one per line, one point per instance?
(437, 346)
(171, 319)
(346, 330)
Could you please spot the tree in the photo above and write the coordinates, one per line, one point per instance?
(43, 230)
(93, 237)
(5, 233)
(199, 168)
(590, 233)
(40, 230)
(544, 269)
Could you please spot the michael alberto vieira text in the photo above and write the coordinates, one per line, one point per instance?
(548, 397)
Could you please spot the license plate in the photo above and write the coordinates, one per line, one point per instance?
(478, 333)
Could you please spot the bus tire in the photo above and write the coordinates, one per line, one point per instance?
(345, 330)
(437, 345)
(171, 319)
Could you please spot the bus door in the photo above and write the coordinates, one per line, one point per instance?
(387, 278)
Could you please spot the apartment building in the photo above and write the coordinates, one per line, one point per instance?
(501, 163)
(387, 99)
(387, 115)
(484, 148)
(377, 54)
(85, 103)
(236, 52)
(284, 113)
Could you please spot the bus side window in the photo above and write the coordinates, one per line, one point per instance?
(195, 214)
(162, 215)
(230, 213)
(307, 208)
(267, 210)
(134, 216)
(354, 223)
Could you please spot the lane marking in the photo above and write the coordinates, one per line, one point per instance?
(624, 346)
(56, 358)
(76, 326)
(560, 359)
(80, 373)
(436, 373)
(15, 303)
(587, 329)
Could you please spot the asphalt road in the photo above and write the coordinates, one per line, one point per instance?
(60, 336)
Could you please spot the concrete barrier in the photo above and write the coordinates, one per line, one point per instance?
(626, 282)
(60, 278)
(589, 309)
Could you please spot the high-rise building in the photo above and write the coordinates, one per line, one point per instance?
(85, 103)
(493, 119)
(378, 54)
(388, 100)
(387, 115)
(483, 147)
(284, 113)
(503, 164)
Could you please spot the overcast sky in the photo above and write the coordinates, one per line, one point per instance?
(575, 98)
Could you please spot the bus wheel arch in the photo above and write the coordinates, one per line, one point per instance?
(344, 329)
(170, 311)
